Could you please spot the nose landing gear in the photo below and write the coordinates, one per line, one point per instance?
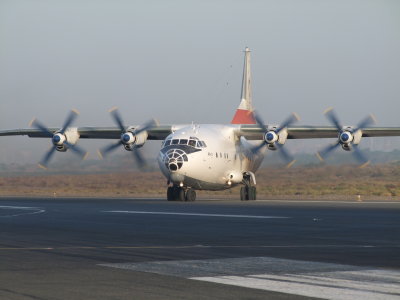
(248, 191)
(177, 193)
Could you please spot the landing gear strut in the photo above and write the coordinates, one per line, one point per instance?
(248, 191)
(177, 193)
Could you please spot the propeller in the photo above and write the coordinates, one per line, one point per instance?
(58, 138)
(346, 137)
(271, 137)
(128, 138)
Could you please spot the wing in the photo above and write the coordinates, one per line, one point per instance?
(254, 132)
(156, 133)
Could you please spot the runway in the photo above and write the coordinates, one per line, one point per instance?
(153, 249)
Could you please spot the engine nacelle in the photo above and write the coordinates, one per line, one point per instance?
(131, 140)
(61, 148)
(70, 135)
(346, 147)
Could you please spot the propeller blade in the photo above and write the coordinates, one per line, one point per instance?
(290, 120)
(257, 148)
(117, 118)
(78, 150)
(260, 121)
(41, 127)
(71, 117)
(146, 126)
(365, 122)
(325, 152)
(360, 156)
(287, 157)
(47, 157)
(108, 149)
(139, 158)
(331, 115)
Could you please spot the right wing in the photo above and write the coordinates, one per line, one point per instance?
(156, 133)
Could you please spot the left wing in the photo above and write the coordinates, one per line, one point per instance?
(348, 137)
(254, 132)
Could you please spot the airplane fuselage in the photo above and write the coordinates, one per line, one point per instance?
(207, 157)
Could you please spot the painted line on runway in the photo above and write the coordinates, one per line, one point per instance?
(193, 214)
(319, 286)
(27, 211)
(296, 277)
(199, 246)
(331, 201)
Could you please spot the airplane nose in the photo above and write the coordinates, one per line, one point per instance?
(174, 159)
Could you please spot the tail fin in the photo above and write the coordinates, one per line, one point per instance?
(244, 113)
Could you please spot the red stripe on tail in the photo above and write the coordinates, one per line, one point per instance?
(243, 117)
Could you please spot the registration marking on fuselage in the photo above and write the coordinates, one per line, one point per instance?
(193, 214)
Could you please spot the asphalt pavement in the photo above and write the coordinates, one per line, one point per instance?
(93, 248)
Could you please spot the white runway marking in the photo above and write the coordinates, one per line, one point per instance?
(25, 211)
(304, 278)
(331, 201)
(323, 285)
(193, 214)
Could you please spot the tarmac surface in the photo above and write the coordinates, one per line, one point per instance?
(92, 248)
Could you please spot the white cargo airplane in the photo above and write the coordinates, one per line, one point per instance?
(209, 156)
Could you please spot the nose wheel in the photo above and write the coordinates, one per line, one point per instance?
(177, 193)
(248, 191)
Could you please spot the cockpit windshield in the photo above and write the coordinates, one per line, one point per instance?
(193, 142)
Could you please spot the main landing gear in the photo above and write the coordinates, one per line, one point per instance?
(177, 193)
(248, 191)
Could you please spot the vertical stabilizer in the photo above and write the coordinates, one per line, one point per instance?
(244, 113)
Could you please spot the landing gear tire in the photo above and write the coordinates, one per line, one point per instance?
(190, 195)
(180, 194)
(176, 193)
(170, 193)
(252, 193)
(248, 193)
(243, 193)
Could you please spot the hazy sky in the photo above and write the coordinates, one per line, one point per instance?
(181, 61)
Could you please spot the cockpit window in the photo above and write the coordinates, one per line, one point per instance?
(175, 142)
(200, 144)
(192, 143)
(183, 142)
